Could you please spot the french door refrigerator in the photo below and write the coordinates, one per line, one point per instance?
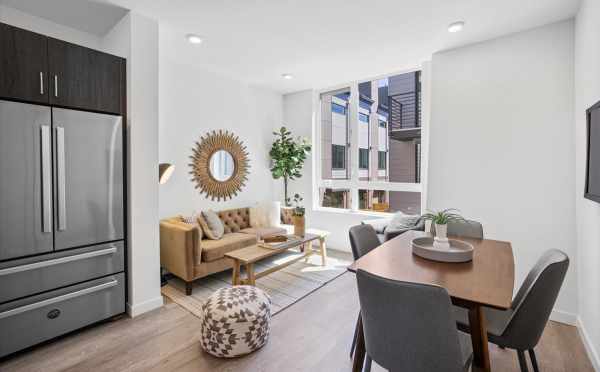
(61, 221)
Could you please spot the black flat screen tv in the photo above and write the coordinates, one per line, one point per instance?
(592, 173)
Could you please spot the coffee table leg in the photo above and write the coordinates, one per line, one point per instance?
(250, 274)
(307, 251)
(235, 279)
(481, 355)
(323, 250)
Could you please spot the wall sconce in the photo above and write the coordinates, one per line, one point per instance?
(165, 170)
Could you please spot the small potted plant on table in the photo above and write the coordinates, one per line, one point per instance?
(440, 219)
(298, 216)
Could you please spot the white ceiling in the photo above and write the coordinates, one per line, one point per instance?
(323, 42)
(88, 16)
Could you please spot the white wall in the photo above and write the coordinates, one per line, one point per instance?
(194, 102)
(43, 26)
(587, 92)
(502, 144)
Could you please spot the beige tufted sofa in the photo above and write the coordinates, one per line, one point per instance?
(184, 252)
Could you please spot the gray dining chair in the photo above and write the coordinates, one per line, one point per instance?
(521, 326)
(363, 239)
(410, 327)
(465, 229)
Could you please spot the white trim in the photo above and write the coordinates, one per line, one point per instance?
(134, 310)
(563, 317)
(359, 212)
(589, 346)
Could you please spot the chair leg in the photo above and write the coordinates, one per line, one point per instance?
(354, 340)
(368, 361)
(522, 361)
(533, 360)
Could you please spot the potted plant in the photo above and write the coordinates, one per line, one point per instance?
(288, 156)
(298, 216)
(440, 219)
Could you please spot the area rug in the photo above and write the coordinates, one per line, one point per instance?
(285, 286)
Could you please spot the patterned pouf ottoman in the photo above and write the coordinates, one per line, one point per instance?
(235, 321)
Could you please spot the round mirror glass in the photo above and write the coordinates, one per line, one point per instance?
(221, 165)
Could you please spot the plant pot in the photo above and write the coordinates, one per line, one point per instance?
(299, 225)
(441, 236)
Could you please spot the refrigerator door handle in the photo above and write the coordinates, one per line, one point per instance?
(46, 178)
(60, 178)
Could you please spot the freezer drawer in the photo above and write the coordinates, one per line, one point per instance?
(38, 318)
(25, 277)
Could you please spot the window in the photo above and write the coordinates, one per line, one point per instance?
(369, 145)
(381, 159)
(338, 109)
(338, 157)
(335, 198)
(363, 158)
(389, 201)
(334, 135)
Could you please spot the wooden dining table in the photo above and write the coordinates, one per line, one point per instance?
(487, 280)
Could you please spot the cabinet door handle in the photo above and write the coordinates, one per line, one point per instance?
(55, 86)
(41, 83)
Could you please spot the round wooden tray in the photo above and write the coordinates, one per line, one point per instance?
(459, 251)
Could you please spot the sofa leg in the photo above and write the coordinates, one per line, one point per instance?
(188, 288)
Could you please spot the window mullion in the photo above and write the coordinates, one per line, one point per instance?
(353, 148)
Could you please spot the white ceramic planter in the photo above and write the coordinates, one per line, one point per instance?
(441, 236)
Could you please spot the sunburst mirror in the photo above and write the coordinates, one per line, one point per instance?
(219, 165)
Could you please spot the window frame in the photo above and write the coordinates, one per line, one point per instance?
(353, 183)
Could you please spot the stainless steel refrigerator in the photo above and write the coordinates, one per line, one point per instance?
(62, 226)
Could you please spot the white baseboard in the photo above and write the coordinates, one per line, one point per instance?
(589, 347)
(134, 310)
(564, 317)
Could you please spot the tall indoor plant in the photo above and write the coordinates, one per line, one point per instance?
(288, 155)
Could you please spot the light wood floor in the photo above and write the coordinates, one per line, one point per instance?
(312, 335)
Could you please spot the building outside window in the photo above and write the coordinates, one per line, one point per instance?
(338, 157)
(382, 160)
(379, 122)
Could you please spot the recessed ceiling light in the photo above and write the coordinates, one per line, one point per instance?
(287, 76)
(456, 26)
(193, 38)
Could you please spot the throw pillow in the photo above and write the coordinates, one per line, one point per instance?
(258, 216)
(273, 213)
(211, 225)
(191, 219)
(403, 221)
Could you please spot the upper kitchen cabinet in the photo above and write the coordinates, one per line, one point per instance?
(23, 65)
(84, 78)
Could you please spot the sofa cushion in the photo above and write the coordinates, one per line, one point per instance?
(211, 225)
(262, 232)
(235, 219)
(215, 249)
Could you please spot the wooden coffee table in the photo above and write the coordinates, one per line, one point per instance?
(250, 255)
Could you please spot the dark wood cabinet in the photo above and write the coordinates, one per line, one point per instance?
(23, 65)
(84, 78)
